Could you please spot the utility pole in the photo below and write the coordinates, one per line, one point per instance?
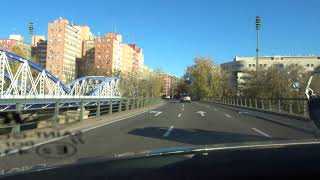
(258, 25)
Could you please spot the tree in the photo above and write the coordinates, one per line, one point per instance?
(205, 79)
(141, 85)
(20, 52)
(93, 70)
(274, 82)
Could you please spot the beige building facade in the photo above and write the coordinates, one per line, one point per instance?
(237, 67)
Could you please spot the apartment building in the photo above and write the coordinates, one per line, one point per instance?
(64, 47)
(169, 84)
(39, 52)
(108, 53)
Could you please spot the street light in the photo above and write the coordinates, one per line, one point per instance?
(258, 25)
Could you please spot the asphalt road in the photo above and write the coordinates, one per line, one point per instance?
(171, 125)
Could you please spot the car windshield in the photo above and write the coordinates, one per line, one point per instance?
(106, 79)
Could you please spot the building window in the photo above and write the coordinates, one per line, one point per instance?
(312, 65)
(264, 65)
(249, 65)
(272, 58)
(308, 65)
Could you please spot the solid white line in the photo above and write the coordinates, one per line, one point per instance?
(228, 115)
(261, 132)
(84, 130)
(179, 115)
(168, 131)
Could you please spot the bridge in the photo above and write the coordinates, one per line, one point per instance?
(32, 81)
(29, 81)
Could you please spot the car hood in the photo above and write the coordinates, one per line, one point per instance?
(162, 157)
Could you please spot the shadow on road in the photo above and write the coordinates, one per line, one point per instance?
(198, 136)
(272, 121)
(287, 125)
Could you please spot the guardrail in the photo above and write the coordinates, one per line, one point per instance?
(55, 111)
(291, 106)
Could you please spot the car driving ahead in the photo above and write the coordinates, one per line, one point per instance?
(185, 98)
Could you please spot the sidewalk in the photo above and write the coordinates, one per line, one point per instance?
(10, 144)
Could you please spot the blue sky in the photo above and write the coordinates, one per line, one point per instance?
(173, 32)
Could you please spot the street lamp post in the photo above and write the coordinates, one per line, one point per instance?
(258, 25)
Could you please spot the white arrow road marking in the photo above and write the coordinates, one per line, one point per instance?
(179, 115)
(261, 132)
(228, 115)
(156, 113)
(168, 131)
(201, 112)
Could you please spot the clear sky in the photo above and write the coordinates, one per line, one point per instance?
(173, 32)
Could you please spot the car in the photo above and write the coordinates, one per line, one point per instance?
(185, 98)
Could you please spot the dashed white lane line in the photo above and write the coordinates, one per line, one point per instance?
(228, 115)
(179, 115)
(261, 132)
(168, 131)
(182, 105)
(182, 109)
(215, 109)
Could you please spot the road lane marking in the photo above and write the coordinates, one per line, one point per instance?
(182, 109)
(168, 131)
(75, 131)
(201, 112)
(215, 109)
(244, 112)
(228, 115)
(156, 113)
(208, 106)
(179, 115)
(261, 132)
(182, 105)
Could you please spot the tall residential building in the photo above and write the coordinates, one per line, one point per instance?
(237, 67)
(138, 58)
(39, 53)
(169, 84)
(127, 59)
(15, 41)
(87, 51)
(64, 46)
(108, 53)
(36, 39)
(132, 60)
(88, 56)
